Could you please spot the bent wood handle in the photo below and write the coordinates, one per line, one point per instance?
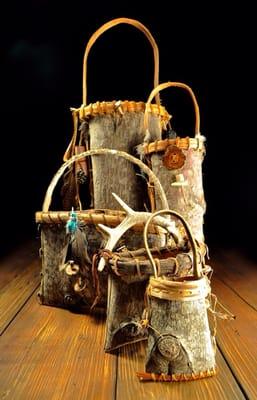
(179, 85)
(109, 25)
(92, 152)
(196, 269)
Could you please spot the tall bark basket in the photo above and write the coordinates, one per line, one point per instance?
(116, 125)
(178, 164)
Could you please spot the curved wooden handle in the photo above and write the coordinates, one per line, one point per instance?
(109, 25)
(140, 164)
(196, 270)
(179, 85)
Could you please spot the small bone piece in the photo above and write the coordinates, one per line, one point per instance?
(180, 181)
(133, 218)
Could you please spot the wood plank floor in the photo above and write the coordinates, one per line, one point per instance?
(50, 353)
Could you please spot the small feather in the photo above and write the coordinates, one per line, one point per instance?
(72, 223)
(69, 190)
(79, 246)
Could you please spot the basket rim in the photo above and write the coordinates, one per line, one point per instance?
(184, 143)
(122, 107)
(108, 217)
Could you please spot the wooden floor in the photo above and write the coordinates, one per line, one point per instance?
(48, 353)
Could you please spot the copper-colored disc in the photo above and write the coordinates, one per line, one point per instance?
(173, 158)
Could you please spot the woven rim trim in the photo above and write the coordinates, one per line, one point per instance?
(186, 290)
(147, 376)
(110, 218)
(183, 143)
(110, 107)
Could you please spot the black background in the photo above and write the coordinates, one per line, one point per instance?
(208, 47)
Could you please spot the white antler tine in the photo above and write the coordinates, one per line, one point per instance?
(101, 264)
(106, 229)
(132, 218)
(125, 207)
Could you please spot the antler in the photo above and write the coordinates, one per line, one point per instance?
(133, 218)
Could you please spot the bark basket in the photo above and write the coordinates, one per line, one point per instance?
(116, 125)
(180, 345)
(177, 162)
(66, 283)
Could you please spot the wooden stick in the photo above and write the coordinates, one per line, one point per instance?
(92, 217)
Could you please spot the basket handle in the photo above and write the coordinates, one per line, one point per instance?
(140, 164)
(109, 25)
(179, 85)
(196, 269)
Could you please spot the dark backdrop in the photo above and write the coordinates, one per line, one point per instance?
(41, 59)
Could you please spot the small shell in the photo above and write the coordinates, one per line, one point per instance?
(71, 268)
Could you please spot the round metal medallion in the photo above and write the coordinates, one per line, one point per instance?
(173, 158)
(169, 347)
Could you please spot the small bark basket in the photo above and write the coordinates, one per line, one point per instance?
(67, 275)
(180, 345)
(116, 125)
(177, 162)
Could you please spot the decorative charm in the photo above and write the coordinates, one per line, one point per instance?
(173, 158)
(70, 268)
(81, 166)
(81, 177)
(180, 181)
(72, 223)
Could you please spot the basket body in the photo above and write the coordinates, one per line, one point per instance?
(180, 340)
(57, 287)
(185, 196)
(121, 132)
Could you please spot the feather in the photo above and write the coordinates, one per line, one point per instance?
(79, 245)
(69, 190)
(72, 223)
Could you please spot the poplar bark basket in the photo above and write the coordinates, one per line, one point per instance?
(180, 345)
(117, 125)
(64, 285)
(178, 164)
